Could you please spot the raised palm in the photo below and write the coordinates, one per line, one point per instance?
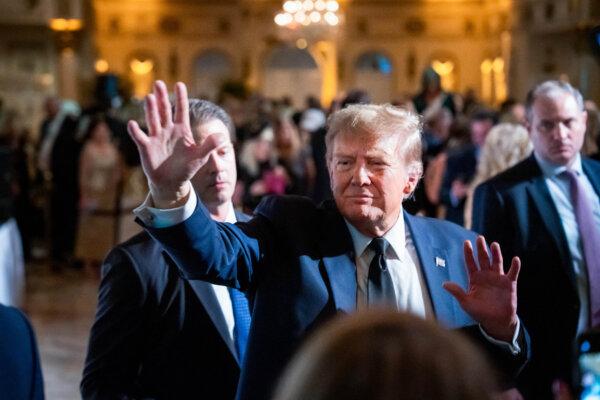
(169, 154)
(491, 298)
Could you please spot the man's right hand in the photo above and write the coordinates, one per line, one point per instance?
(169, 154)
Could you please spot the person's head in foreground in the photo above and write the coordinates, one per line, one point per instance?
(385, 355)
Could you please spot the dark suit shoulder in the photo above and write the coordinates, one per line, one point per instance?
(140, 255)
(12, 319)
(287, 209)
(523, 171)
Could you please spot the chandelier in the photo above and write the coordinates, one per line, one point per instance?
(298, 14)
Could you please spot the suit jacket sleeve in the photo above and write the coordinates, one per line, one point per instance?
(116, 339)
(220, 253)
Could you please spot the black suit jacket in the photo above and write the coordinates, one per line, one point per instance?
(157, 335)
(515, 208)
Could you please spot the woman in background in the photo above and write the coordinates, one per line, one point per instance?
(505, 145)
(99, 175)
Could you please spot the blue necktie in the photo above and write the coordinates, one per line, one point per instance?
(241, 315)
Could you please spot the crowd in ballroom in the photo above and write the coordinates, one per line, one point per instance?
(69, 195)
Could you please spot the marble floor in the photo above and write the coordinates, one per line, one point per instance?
(61, 308)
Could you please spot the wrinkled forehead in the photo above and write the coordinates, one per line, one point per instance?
(365, 141)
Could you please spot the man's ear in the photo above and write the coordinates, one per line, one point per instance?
(411, 183)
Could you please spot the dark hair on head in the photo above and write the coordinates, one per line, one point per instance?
(547, 89)
(202, 111)
(484, 114)
(94, 120)
(356, 96)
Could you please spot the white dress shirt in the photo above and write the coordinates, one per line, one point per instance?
(403, 263)
(559, 188)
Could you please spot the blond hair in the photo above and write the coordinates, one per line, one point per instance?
(380, 121)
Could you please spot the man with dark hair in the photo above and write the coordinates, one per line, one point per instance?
(157, 335)
(546, 210)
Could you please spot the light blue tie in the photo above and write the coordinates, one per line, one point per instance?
(241, 315)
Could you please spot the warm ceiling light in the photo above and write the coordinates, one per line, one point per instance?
(65, 25)
(141, 67)
(101, 66)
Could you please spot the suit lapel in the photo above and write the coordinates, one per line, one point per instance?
(434, 267)
(338, 259)
(538, 190)
(208, 298)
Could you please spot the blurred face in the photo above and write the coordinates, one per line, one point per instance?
(369, 181)
(479, 131)
(215, 181)
(557, 128)
(101, 133)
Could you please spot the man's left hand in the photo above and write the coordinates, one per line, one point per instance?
(491, 298)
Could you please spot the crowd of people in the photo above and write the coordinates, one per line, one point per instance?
(189, 307)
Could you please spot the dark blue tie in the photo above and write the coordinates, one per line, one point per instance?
(241, 315)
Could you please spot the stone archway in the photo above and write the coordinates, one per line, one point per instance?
(373, 72)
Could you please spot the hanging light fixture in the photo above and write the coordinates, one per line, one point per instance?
(296, 14)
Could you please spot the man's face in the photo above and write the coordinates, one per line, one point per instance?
(479, 131)
(215, 181)
(369, 181)
(557, 128)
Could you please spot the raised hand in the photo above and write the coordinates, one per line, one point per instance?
(169, 154)
(491, 298)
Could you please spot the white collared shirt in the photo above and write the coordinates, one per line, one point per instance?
(160, 218)
(404, 266)
(559, 188)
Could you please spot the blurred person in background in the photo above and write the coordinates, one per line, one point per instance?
(12, 266)
(385, 355)
(58, 160)
(591, 142)
(505, 145)
(513, 112)
(436, 167)
(293, 156)
(461, 166)
(432, 95)
(100, 170)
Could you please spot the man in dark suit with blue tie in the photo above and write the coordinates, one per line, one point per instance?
(546, 210)
(159, 336)
(302, 264)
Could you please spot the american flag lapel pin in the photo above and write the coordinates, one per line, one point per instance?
(440, 262)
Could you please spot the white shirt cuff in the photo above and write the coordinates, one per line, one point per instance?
(513, 347)
(164, 218)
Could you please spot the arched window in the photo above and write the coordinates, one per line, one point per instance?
(373, 72)
(291, 72)
(211, 69)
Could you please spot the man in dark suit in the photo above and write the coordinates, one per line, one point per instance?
(20, 373)
(533, 212)
(461, 167)
(302, 264)
(157, 335)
